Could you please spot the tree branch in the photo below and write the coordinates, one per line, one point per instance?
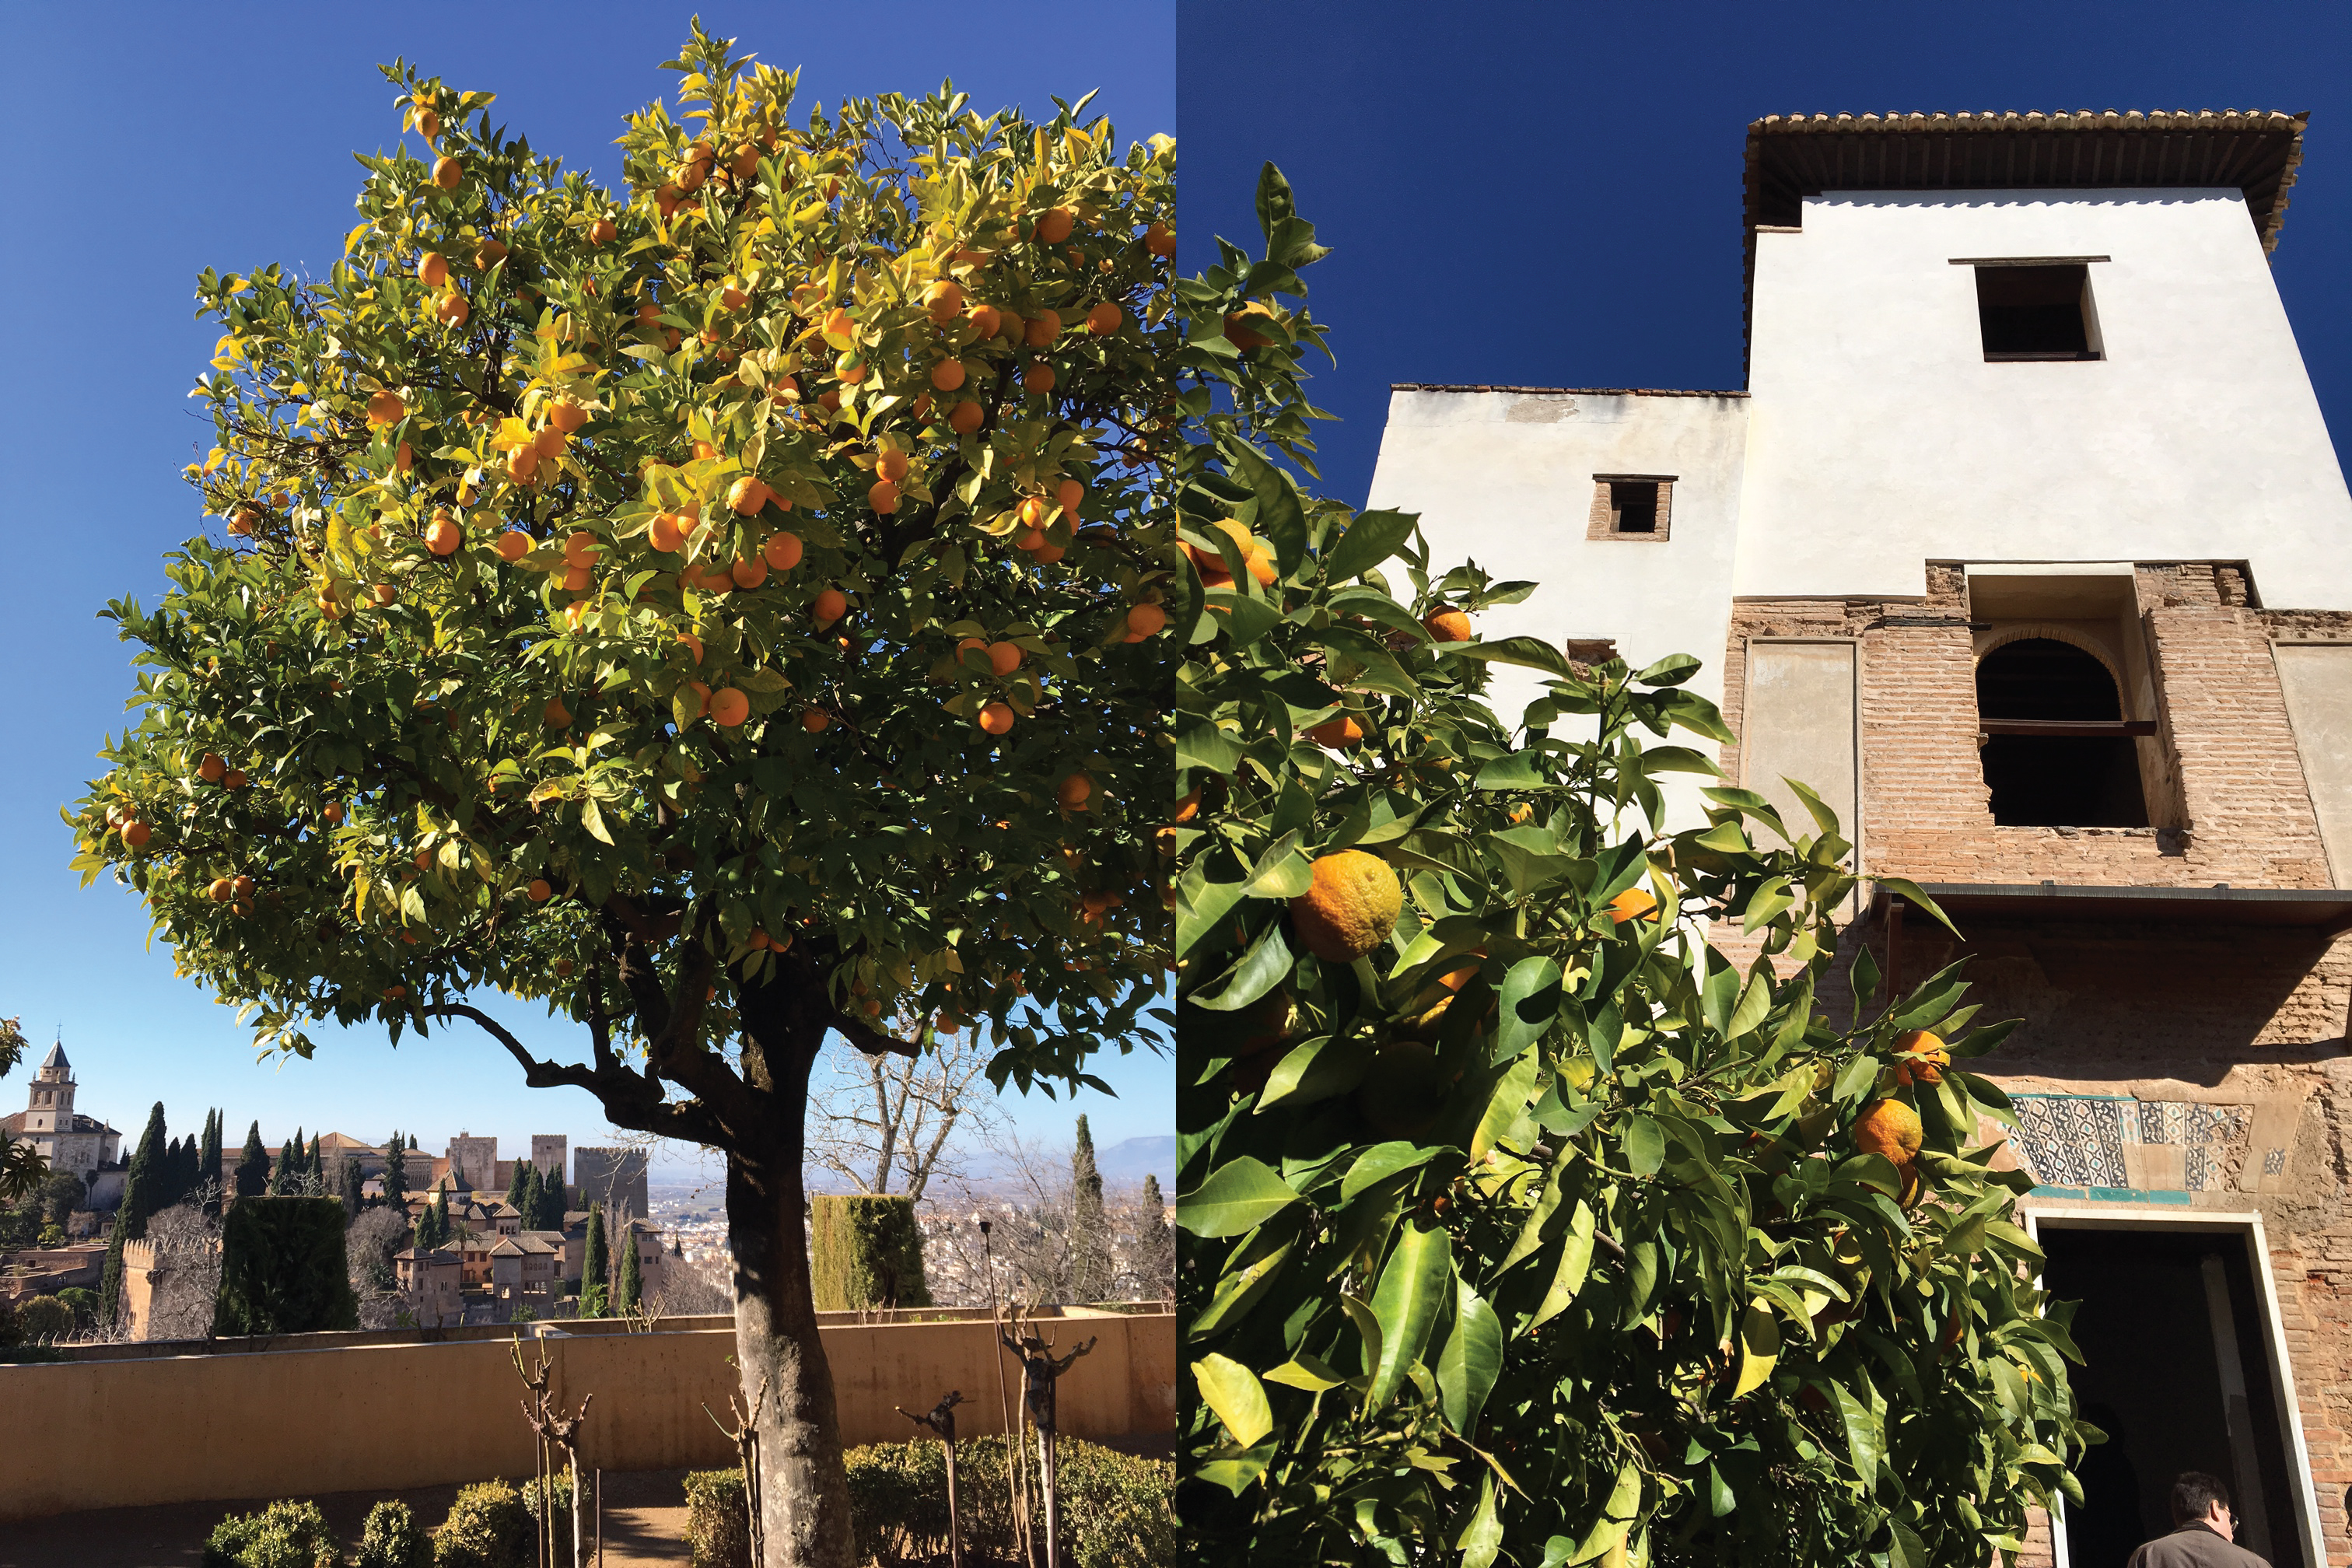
(873, 1042)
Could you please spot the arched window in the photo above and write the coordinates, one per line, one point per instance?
(2058, 754)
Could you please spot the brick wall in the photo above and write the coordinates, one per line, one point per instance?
(2242, 813)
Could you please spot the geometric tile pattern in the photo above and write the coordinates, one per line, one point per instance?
(2077, 1140)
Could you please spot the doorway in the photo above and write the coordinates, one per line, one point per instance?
(2177, 1370)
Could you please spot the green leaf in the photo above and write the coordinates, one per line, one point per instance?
(1617, 1516)
(1482, 1538)
(1305, 1372)
(1382, 1161)
(1671, 670)
(1507, 1104)
(1760, 1348)
(1259, 970)
(1406, 1301)
(1234, 1391)
(1575, 1264)
(1242, 616)
(1280, 515)
(1282, 872)
(1515, 770)
(1529, 1001)
(1238, 1197)
(1905, 888)
(594, 820)
(1863, 1444)
(1719, 1500)
(1472, 1357)
(1645, 1146)
(1201, 745)
(1370, 539)
(1531, 653)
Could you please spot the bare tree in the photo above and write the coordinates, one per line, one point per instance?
(1028, 1205)
(693, 1290)
(188, 1267)
(885, 1123)
(368, 1246)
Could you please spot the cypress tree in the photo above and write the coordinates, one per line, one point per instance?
(439, 1215)
(412, 1139)
(317, 1161)
(348, 1184)
(283, 1174)
(550, 1204)
(252, 1164)
(167, 1176)
(632, 1281)
(139, 1192)
(208, 1158)
(596, 1266)
(1091, 1273)
(396, 1171)
(527, 1211)
(515, 1180)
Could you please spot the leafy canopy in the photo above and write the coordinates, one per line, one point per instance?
(1538, 1232)
(613, 585)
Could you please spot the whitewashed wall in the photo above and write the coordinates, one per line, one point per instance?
(1879, 437)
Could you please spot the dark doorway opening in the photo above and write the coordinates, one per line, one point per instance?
(1634, 506)
(2177, 1371)
(2035, 312)
(2057, 781)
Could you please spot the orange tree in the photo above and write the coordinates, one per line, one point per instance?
(722, 608)
(1523, 1221)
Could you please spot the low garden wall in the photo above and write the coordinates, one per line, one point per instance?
(299, 1419)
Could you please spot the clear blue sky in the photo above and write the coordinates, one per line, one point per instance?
(1549, 194)
(148, 141)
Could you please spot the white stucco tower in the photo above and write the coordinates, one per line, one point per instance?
(69, 1141)
(2025, 544)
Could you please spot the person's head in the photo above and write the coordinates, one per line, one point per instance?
(2200, 1499)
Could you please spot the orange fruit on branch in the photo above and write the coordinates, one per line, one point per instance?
(729, 708)
(1145, 620)
(947, 374)
(1104, 319)
(815, 721)
(782, 552)
(446, 172)
(1633, 903)
(1053, 225)
(1890, 1128)
(965, 417)
(996, 718)
(748, 496)
(1076, 792)
(1003, 657)
(451, 309)
(1336, 734)
(1447, 624)
(1924, 1057)
(386, 408)
(1160, 240)
(512, 545)
(831, 604)
(433, 269)
(667, 532)
(943, 302)
(1350, 907)
(211, 768)
(883, 497)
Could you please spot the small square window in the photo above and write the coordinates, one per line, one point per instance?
(2031, 311)
(1630, 506)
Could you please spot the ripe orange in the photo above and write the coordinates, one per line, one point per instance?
(540, 891)
(447, 173)
(815, 721)
(996, 718)
(433, 269)
(1145, 620)
(1076, 791)
(1037, 378)
(891, 464)
(602, 232)
(947, 374)
(1003, 657)
(965, 417)
(403, 459)
(556, 715)
(1336, 734)
(1448, 625)
(749, 571)
(702, 695)
(1032, 540)
(1890, 1128)
(1069, 493)
(385, 408)
(839, 331)
(452, 310)
(220, 889)
(748, 496)
(136, 833)
(234, 779)
(728, 707)
(944, 301)
(1633, 903)
(1189, 808)
(831, 604)
(667, 532)
(211, 768)
(850, 367)
(1053, 225)
(567, 415)
(332, 811)
(513, 546)
(241, 521)
(394, 993)
(986, 320)
(1927, 1058)
(428, 124)
(883, 497)
(1350, 907)
(489, 254)
(1104, 319)
(782, 552)
(732, 298)
(1042, 329)
(1160, 240)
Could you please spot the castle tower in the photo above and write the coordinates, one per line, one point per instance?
(50, 1109)
(2026, 546)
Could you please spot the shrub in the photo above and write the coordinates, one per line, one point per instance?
(718, 1526)
(393, 1538)
(43, 1317)
(559, 1511)
(1115, 1507)
(865, 1251)
(283, 1269)
(488, 1527)
(283, 1535)
(84, 1302)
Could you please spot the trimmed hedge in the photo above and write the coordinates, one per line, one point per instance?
(1115, 1508)
(488, 1527)
(283, 1269)
(865, 1251)
(393, 1538)
(283, 1535)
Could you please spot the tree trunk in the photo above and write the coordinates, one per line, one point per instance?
(803, 1489)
